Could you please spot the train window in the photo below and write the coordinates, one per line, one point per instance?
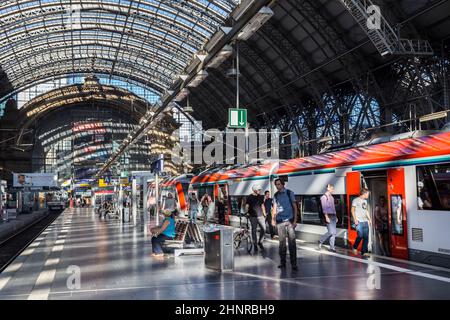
(340, 203)
(310, 206)
(397, 214)
(185, 188)
(433, 187)
(207, 189)
(236, 205)
(310, 210)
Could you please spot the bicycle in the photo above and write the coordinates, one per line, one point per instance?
(243, 234)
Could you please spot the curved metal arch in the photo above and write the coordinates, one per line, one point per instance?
(53, 67)
(120, 105)
(53, 77)
(178, 28)
(72, 95)
(25, 36)
(94, 21)
(121, 108)
(93, 51)
(49, 74)
(109, 34)
(146, 18)
(169, 8)
(114, 45)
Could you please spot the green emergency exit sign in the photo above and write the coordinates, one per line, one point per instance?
(237, 118)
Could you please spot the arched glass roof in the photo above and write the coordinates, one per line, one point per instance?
(147, 41)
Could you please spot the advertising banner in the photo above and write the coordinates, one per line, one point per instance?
(35, 180)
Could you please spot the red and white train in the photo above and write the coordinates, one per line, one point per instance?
(412, 172)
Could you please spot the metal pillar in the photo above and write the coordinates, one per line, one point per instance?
(144, 198)
(134, 198)
(157, 198)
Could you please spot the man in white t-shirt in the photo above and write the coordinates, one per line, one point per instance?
(361, 218)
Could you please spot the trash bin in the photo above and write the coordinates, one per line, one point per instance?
(219, 250)
(126, 214)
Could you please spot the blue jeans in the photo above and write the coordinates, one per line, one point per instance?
(157, 241)
(363, 234)
(193, 215)
(331, 233)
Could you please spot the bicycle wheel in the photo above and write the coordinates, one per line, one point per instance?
(249, 244)
(237, 241)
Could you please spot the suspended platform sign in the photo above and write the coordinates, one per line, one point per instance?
(237, 118)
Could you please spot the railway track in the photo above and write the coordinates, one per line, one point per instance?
(14, 245)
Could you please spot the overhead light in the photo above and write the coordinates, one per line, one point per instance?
(231, 73)
(201, 55)
(223, 55)
(184, 76)
(433, 116)
(263, 15)
(226, 30)
(241, 9)
(384, 53)
(199, 77)
(217, 36)
(188, 109)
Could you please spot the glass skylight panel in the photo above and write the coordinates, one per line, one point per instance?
(168, 31)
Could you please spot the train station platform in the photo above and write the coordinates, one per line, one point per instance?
(113, 261)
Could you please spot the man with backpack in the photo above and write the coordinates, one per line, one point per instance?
(284, 216)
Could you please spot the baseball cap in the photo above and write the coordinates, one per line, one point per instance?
(256, 187)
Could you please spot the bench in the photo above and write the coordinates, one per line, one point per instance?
(181, 227)
(185, 233)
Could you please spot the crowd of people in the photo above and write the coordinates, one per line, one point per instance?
(82, 202)
(278, 217)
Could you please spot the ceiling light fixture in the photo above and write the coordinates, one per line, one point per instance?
(258, 20)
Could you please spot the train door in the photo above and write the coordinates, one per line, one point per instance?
(389, 184)
(182, 196)
(397, 212)
(353, 187)
(378, 207)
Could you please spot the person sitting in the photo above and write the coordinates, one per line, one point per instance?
(162, 233)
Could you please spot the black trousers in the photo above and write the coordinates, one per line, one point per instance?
(272, 230)
(255, 221)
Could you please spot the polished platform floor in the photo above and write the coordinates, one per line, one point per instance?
(114, 262)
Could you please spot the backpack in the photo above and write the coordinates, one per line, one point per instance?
(289, 192)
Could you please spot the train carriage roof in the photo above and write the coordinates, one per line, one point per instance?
(412, 148)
